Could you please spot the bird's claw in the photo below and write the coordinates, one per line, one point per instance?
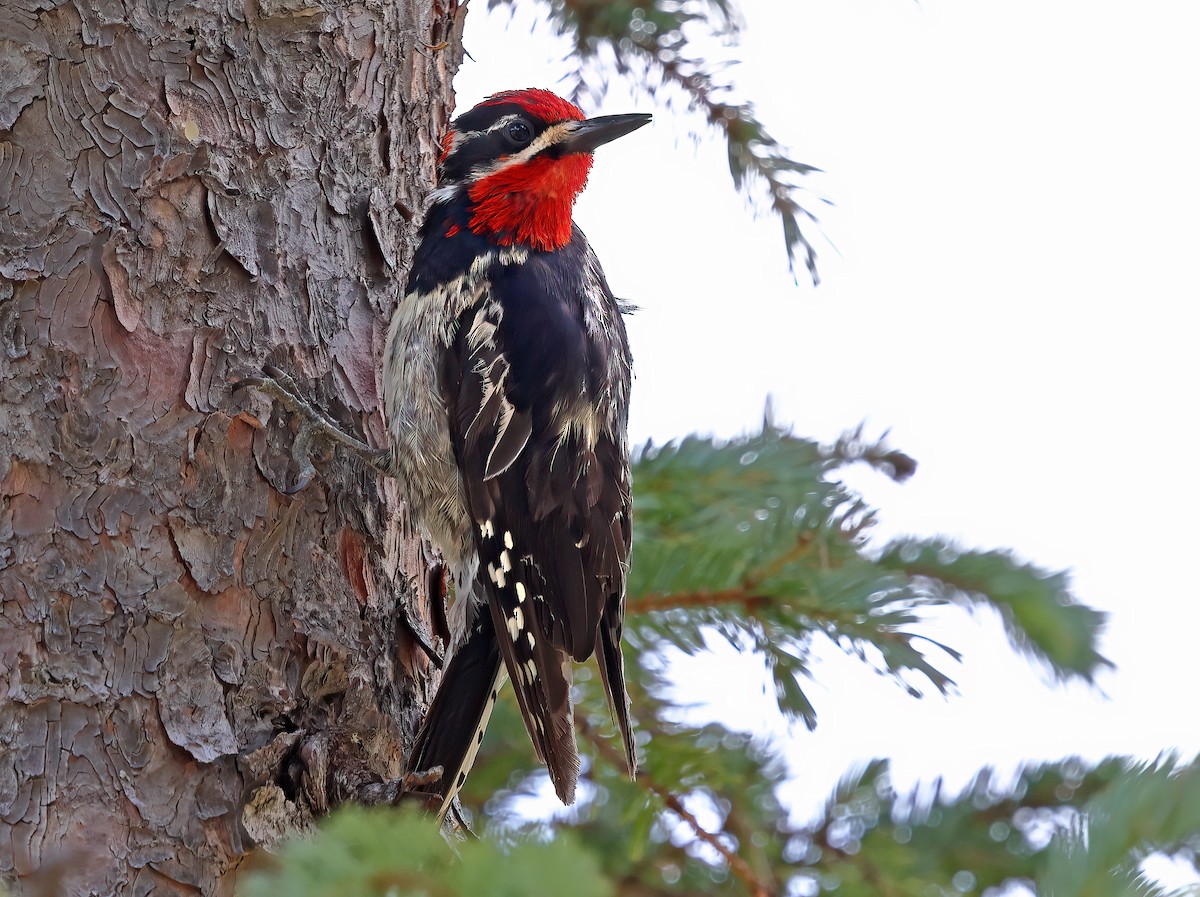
(395, 790)
(301, 449)
(279, 385)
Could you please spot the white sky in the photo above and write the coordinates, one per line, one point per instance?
(1017, 195)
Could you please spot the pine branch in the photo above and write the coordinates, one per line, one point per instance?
(756, 540)
(755, 156)
(643, 604)
(1145, 807)
(672, 802)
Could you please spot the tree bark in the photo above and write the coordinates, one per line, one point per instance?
(192, 662)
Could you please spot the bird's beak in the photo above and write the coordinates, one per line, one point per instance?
(585, 136)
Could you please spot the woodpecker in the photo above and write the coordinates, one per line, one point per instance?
(506, 381)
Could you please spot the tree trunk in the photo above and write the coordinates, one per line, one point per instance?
(191, 662)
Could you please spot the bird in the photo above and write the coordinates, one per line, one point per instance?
(506, 380)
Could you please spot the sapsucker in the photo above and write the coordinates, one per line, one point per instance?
(506, 378)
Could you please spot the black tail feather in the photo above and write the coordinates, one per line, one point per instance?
(454, 726)
(612, 674)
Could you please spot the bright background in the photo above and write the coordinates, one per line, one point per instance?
(1013, 294)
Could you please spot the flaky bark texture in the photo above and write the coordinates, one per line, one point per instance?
(190, 661)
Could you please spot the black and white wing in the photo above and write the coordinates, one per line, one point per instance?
(538, 424)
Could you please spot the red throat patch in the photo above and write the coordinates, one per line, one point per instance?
(530, 203)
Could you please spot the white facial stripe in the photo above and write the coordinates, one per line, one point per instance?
(548, 138)
(552, 135)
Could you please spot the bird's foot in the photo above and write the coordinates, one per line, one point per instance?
(313, 422)
(412, 785)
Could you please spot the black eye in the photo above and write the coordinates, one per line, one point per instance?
(519, 132)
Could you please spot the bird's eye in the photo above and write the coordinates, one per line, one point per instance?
(519, 132)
